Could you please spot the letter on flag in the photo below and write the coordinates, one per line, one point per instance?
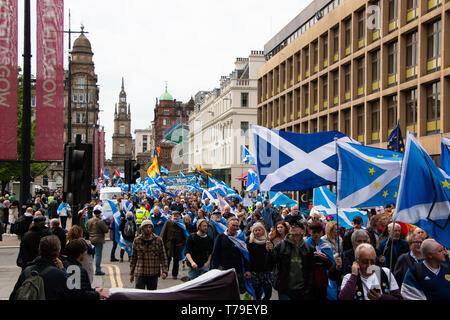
(367, 177)
(8, 80)
(290, 161)
(424, 193)
(49, 81)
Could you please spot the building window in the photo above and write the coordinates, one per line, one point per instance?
(33, 101)
(360, 123)
(361, 28)
(122, 129)
(347, 79)
(306, 54)
(75, 97)
(411, 111)
(411, 54)
(361, 75)
(78, 118)
(244, 99)
(325, 92)
(122, 149)
(45, 180)
(315, 97)
(392, 112)
(375, 116)
(347, 122)
(433, 108)
(392, 14)
(325, 50)
(335, 121)
(434, 46)
(335, 88)
(348, 36)
(411, 10)
(315, 56)
(306, 96)
(392, 63)
(336, 44)
(80, 83)
(244, 128)
(375, 56)
(166, 112)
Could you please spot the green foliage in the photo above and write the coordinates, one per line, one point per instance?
(9, 170)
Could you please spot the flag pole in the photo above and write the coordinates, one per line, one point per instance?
(337, 206)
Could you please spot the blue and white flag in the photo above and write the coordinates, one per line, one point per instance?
(119, 182)
(163, 170)
(221, 188)
(124, 244)
(211, 196)
(128, 206)
(424, 193)
(288, 161)
(445, 155)
(280, 199)
(367, 177)
(324, 200)
(182, 174)
(105, 175)
(247, 156)
(252, 181)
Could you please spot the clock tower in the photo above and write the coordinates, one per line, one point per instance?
(122, 139)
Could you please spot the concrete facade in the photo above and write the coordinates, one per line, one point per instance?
(220, 125)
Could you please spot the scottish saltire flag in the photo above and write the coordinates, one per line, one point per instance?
(122, 173)
(252, 180)
(119, 182)
(164, 170)
(212, 197)
(247, 156)
(367, 177)
(182, 174)
(424, 193)
(105, 175)
(288, 161)
(124, 244)
(128, 206)
(280, 199)
(324, 200)
(221, 188)
(395, 140)
(445, 154)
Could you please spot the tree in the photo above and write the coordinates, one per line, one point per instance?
(10, 170)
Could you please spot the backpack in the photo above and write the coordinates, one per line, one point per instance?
(129, 230)
(33, 287)
(20, 227)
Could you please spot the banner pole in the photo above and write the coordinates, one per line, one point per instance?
(25, 170)
(337, 207)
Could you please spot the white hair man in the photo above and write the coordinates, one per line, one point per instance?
(367, 281)
(392, 243)
(429, 279)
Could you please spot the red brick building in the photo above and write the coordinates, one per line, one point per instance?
(167, 112)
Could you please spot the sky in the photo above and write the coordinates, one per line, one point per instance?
(189, 44)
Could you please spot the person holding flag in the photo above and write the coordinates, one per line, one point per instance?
(174, 236)
(64, 211)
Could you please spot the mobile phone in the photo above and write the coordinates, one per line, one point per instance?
(375, 287)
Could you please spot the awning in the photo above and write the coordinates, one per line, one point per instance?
(242, 176)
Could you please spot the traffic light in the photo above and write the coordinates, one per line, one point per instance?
(131, 171)
(77, 174)
(135, 174)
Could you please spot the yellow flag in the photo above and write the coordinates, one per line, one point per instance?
(198, 167)
(153, 168)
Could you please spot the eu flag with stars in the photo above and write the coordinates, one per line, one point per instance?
(395, 140)
(367, 177)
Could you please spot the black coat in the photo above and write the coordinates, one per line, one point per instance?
(55, 281)
(61, 234)
(401, 267)
(53, 209)
(176, 207)
(29, 246)
(280, 261)
(86, 292)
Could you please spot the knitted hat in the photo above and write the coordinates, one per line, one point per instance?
(146, 222)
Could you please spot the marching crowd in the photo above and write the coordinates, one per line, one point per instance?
(303, 255)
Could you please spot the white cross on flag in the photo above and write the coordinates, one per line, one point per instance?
(288, 161)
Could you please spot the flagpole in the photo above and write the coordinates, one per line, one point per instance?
(337, 206)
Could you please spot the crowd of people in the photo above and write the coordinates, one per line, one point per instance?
(302, 255)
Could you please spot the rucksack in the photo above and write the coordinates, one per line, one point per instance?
(129, 230)
(33, 287)
(20, 227)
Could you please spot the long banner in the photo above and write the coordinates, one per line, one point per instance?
(8, 79)
(49, 143)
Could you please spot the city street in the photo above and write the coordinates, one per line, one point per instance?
(117, 273)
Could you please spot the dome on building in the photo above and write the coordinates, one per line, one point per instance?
(82, 44)
(166, 96)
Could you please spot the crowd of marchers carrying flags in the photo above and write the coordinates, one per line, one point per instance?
(379, 233)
